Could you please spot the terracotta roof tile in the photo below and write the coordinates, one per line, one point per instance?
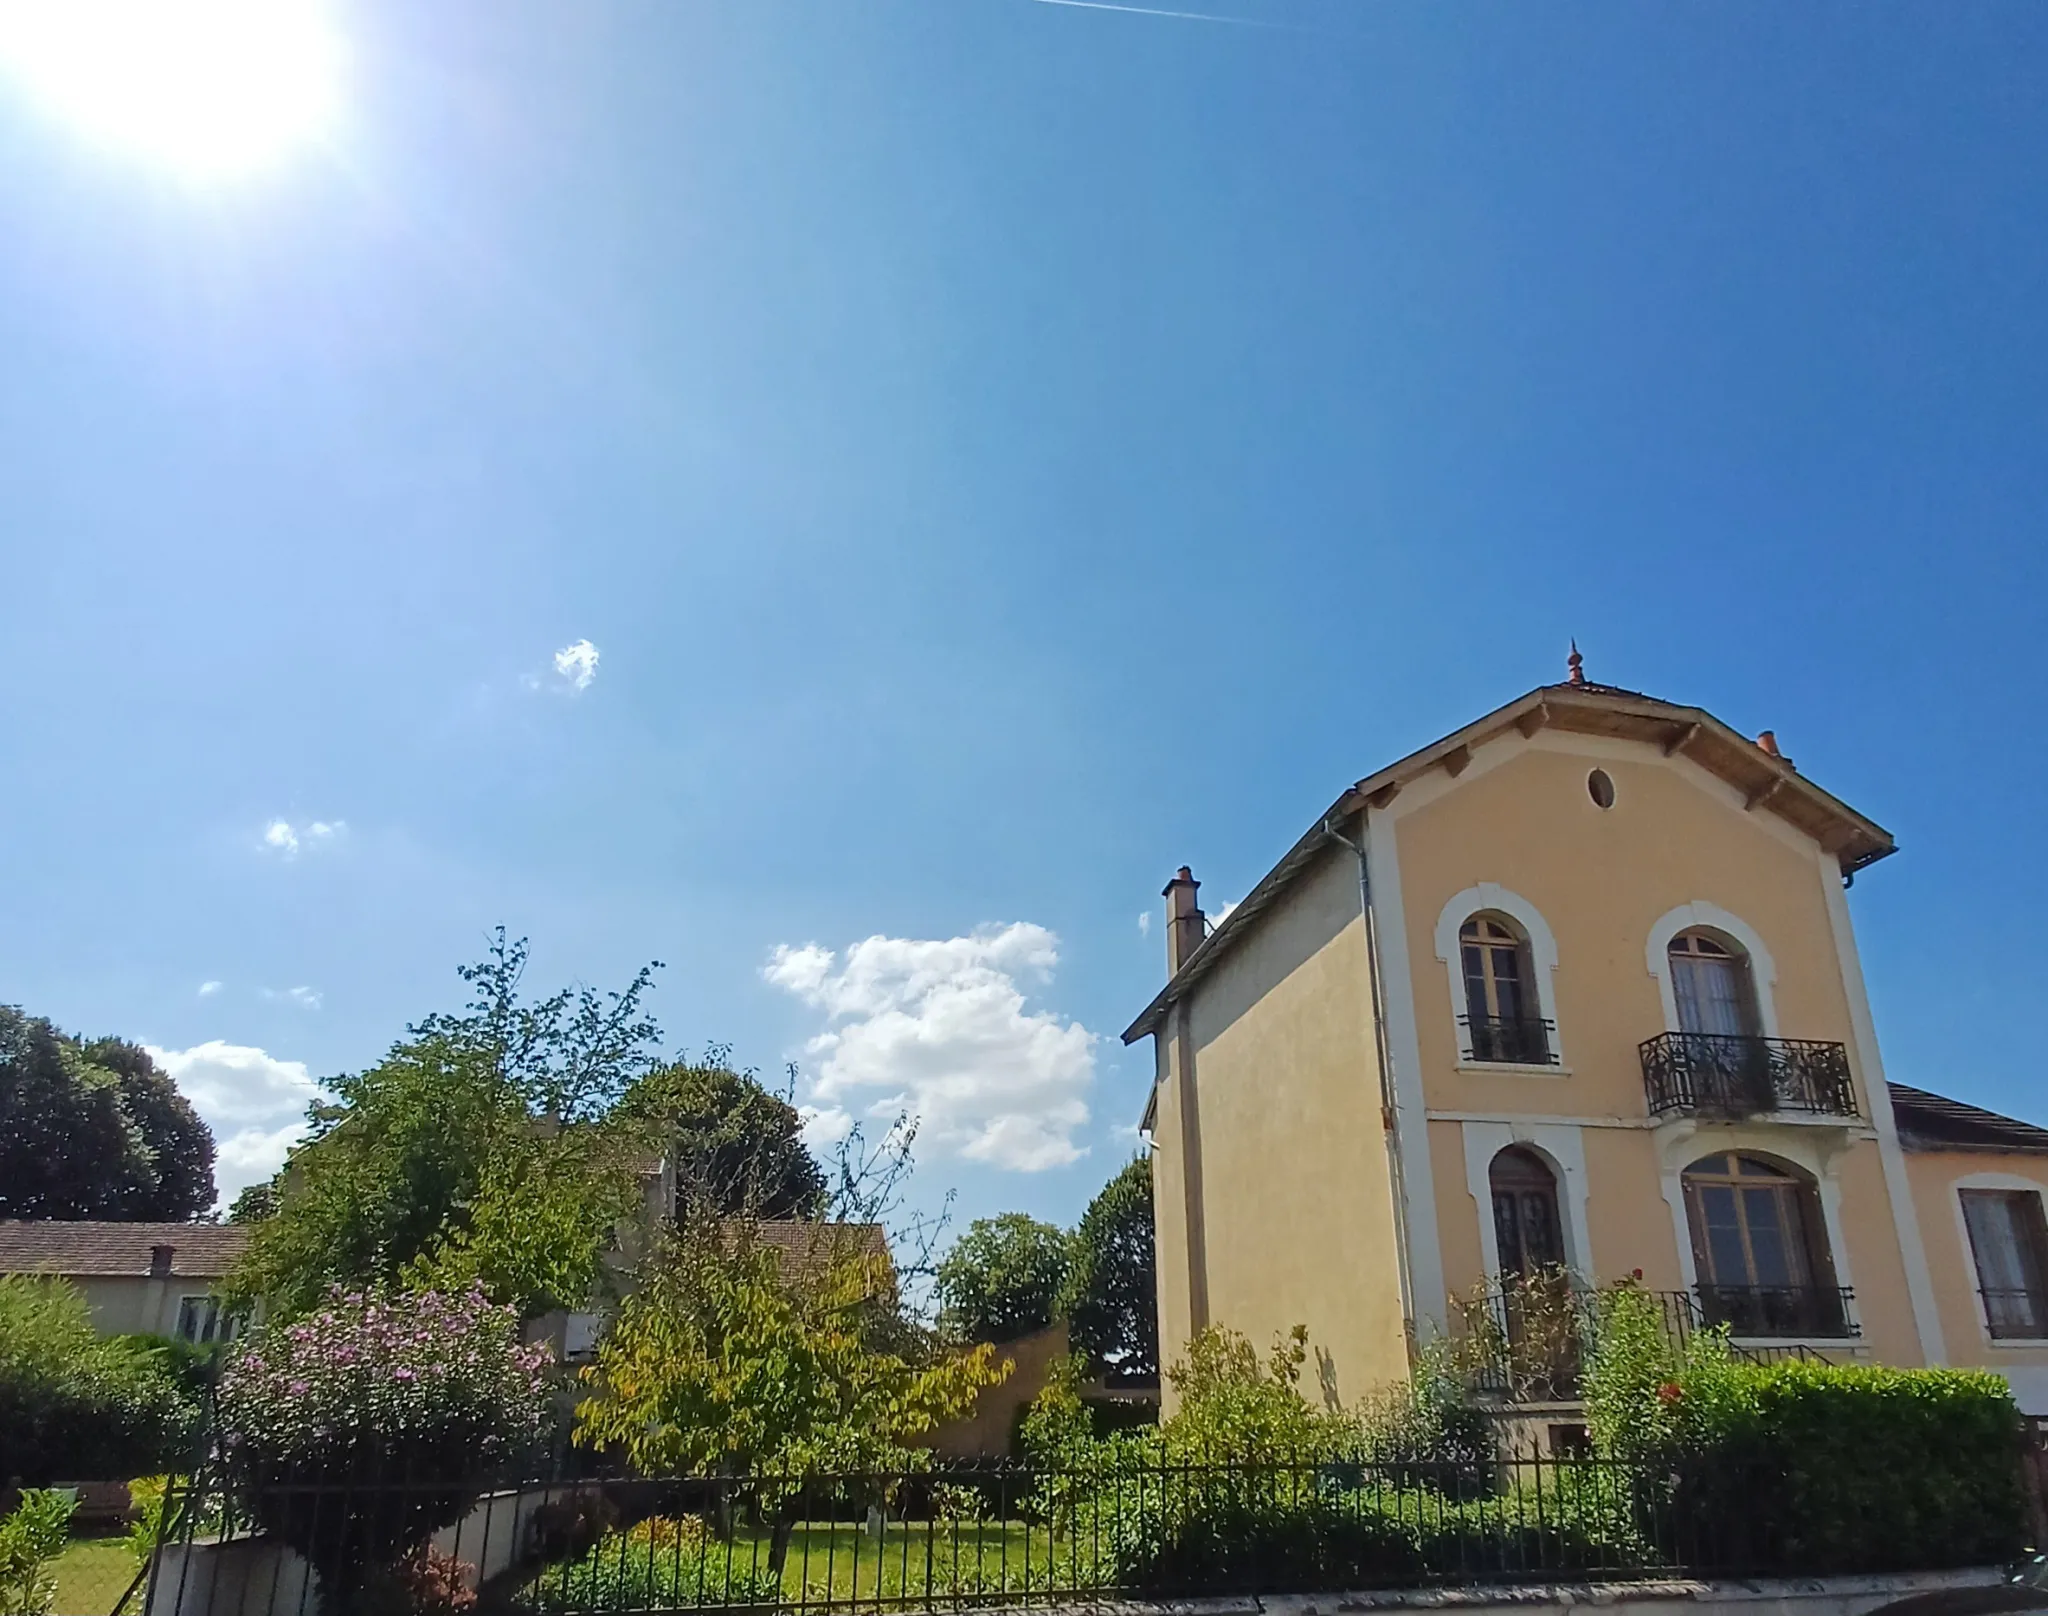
(107, 1250)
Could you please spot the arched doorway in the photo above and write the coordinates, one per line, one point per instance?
(1535, 1322)
(1760, 1248)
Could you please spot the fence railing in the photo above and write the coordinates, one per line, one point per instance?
(951, 1539)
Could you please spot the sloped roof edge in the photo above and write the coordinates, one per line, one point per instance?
(1766, 780)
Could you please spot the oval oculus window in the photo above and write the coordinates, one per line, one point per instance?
(1600, 788)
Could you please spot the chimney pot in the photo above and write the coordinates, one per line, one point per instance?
(160, 1261)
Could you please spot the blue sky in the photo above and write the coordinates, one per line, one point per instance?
(995, 452)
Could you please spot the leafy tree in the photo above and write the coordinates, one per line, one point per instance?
(736, 1358)
(735, 1145)
(1112, 1298)
(1003, 1278)
(180, 1144)
(256, 1202)
(425, 1163)
(94, 1131)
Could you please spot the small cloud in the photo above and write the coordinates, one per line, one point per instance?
(577, 664)
(208, 989)
(281, 836)
(304, 997)
(1144, 922)
(1220, 916)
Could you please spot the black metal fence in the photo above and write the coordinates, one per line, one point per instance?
(946, 1539)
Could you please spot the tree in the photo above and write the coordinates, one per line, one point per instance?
(94, 1131)
(735, 1145)
(180, 1144)
(735, 1359)
(1112, 1295)
(256, 1202)
(425, 1164)
(1003, 1278)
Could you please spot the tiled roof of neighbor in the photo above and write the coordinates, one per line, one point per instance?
(1935, 1122)
(807, 1250)
(110, 1250)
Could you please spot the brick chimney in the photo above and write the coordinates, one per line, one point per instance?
(160, 1261)
(1185, 924)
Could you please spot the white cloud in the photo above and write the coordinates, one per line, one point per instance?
(1221, 915)
(288, 840)
(254, 1103)
(1144, 922)
(577, 664)
(940, 1029)
(304, 997)
(208, 989)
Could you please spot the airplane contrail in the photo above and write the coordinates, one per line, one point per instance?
(1190, 16)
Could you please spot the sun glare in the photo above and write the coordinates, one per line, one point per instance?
(210, 88)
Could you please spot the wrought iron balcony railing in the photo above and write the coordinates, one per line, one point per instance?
(1767, 1311)
(1717, 1074)
(1511, 1040)
(2016, 1315)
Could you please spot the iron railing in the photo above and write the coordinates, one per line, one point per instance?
(2015, 1315)
(1012, 1536)
(1510, 1040)
(1719, 1074)
(1765, 1311)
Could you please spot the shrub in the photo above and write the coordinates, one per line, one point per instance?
(1826, 1467)
(31, 1538)
(357, 1432)
(659, 1564)
(75, 1407)
(425, 1582)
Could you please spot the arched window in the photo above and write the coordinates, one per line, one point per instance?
(1527, 1231)
(1501, 1019)
(1711, 982)
(1760, 1249)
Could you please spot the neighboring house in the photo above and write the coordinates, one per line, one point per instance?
(138, 1278)
(1574, 985)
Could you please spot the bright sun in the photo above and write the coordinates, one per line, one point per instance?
(210, 88)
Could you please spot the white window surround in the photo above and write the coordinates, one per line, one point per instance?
(1563, 1152)
(1815, 1152)
(1989, 1181)
(1763, 970)
(1542, 961)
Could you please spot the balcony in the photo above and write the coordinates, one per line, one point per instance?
(1508, 1040)
(2016, 1315)
(1716, 1074)
(1778, 1312)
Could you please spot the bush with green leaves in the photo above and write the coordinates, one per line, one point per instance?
(31, 1538)
(1834, 1467)
(358, 1431)
(657, 1564)
(76, 1407)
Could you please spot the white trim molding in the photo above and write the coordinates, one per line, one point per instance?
(1488, 895)
(1563, 1152)
(1763, 970)
(1404, 1048)
(1989, 1181)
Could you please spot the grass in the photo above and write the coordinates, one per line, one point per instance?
(92, 1573)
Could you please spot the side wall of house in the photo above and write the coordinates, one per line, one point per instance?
(1294, 1183)
(1936, 1177)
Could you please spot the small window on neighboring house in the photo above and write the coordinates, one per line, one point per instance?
(1710, 981)
(1501, 1020)
(199, 1319)
(2010, 1245)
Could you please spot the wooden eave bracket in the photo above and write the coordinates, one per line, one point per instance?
(1386, 794)
(1682, 739)
(1457, 760)
(1763, 794)
(1533, 720)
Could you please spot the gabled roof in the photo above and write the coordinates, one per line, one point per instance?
(1935, 1122)
(82, 1250)
(1767, 782)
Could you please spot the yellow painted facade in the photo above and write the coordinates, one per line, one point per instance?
(1324, 1134)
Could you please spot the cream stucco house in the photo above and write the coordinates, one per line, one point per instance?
(1574, 985)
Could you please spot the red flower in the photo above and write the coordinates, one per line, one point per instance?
(1669, 1392)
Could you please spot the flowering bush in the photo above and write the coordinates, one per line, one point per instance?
(358, 1431)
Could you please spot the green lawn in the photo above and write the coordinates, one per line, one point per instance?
(91, 1574)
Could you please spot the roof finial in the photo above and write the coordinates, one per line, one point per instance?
(1576, 663)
